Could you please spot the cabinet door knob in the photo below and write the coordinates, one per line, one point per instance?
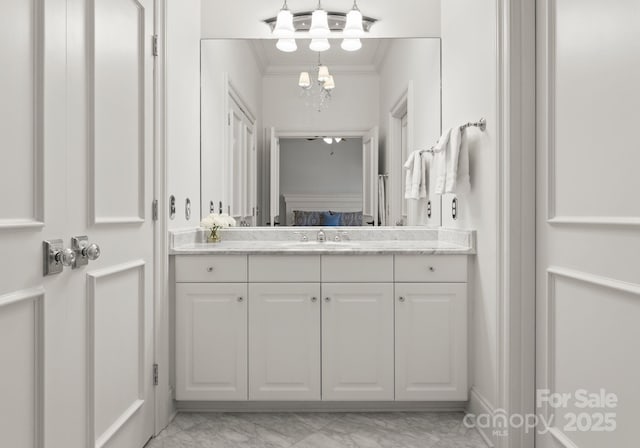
(327, 299)
(210, 269)
(314, 299)
(402, 299)
(432, 269)
(240, 299)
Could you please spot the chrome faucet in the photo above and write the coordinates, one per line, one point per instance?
(321, 237)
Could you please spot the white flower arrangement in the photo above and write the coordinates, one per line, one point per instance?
(215, 222)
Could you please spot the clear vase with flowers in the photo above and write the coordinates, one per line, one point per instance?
(214, 222)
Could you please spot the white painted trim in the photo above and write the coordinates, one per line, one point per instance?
(163, 401)
(37, 219)
(515, 232)
(321, 406)
(119, 423)
(37, 296)
(345, 70)
(92, 280)
(585, 277)
(595, 220)
(553, 273)
(479, 405)
(93, 218)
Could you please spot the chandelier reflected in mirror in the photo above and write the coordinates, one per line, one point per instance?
(317, 85)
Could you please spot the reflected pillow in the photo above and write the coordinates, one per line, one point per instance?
(331, 219)
(351, 219)
(301, 218)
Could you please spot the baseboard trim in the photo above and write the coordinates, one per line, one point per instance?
(320, 406)
(479, 405)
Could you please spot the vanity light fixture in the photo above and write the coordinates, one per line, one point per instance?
(319, 26)
(328, 140)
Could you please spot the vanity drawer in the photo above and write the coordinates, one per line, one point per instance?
(431, 268)
(284, 268)
(211, 268)
(357, 268)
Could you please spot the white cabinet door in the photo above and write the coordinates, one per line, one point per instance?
(211, 341)
(431, 341)
(357, 341)
(284, 341)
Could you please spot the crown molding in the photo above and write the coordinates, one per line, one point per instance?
(275, 71)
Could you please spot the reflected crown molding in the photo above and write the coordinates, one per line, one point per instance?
(294, 70)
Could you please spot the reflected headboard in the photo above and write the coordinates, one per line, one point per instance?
(321, 203)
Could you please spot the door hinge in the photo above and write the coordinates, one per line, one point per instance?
(154, 46)
(155, 374)
(154, 210)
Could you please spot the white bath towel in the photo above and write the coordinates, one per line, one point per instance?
(438, 169)
(383, 210)
(457, 179)
(416, 178)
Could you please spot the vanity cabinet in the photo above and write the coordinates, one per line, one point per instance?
(284, 341)
(211, 341)
(321, 327)
(357, 341)
(431, 341)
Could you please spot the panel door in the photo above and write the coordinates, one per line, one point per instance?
(431, 341)
(357, 341)
(588, 221)
(284, 341)
(211, 341)
(80, 92)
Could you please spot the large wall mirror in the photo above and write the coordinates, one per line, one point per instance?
(307, 138)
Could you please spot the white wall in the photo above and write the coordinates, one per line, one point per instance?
(469, 81)
(315, 167)
(354, 104)
(415, 61)
(237, 59)
(183, 107)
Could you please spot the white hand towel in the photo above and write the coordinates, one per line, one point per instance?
(412, 181)
(439, 163)
(425, 157)
(452, 156)
(458, 180)
(382, 201)
(463, 179)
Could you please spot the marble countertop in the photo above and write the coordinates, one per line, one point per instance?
(400, 241)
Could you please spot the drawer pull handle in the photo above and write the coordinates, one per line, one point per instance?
(402, 299)
(210, 269)
(327, 299)
(240, 299)
(314, 299)
(432, 269)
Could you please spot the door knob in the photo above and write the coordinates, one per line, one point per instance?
(240, 299)
(314, 299)
(65, 256)
(402, 299)
(327, 299)
(56, 257)
(84, 251)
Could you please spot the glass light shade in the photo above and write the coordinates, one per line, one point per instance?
(319, 24)
(287, 45)
(323, 73)
(328, 140)
(305, 80)
(329, 84)
(338, 139)
(354, 27)
(319, 45)
(351, 44)
(284, 25)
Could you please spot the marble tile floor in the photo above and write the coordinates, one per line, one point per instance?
(318, 430)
